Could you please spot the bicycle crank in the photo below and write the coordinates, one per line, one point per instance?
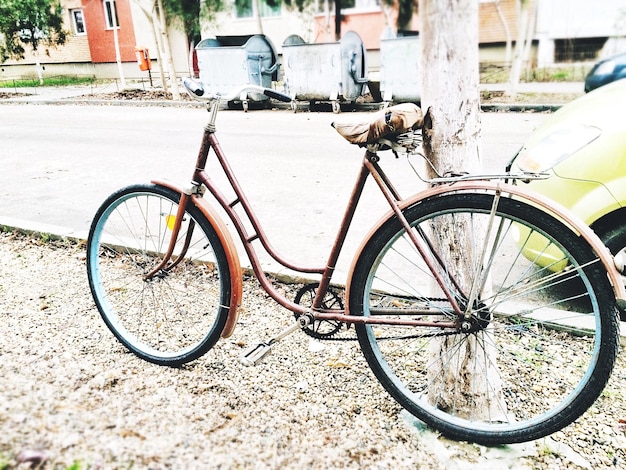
(256, 353)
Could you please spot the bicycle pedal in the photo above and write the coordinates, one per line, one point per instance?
(253, 355)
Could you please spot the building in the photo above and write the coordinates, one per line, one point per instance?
(90, 49)
(563, 32)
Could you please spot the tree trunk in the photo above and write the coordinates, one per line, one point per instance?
(450, 94)
(507, 34)
(257, 16)
(167, 52)
(149, 9)
(118, 55)
(337, 20)
(524, 27)
(38, 67)
(154, 21)
(450, 83)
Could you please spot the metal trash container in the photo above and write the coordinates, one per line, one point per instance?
(399, 69)
(226, 62)
(325, 71)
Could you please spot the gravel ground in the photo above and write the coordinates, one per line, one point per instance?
(72, 397)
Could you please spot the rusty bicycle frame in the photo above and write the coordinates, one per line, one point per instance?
(369, 167)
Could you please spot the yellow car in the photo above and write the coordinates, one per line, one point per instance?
(583, 148)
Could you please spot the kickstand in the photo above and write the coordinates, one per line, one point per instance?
(253, 355)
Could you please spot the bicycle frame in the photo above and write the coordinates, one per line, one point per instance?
(369, 167)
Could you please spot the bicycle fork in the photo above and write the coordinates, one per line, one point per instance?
(180, 215)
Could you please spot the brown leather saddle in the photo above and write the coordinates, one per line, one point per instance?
(384, 124)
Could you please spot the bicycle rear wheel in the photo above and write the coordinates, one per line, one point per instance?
(542, 335)
(176, 315)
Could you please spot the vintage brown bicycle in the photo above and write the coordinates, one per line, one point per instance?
(485, 310)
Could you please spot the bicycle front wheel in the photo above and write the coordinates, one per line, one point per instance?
(539, 337)
(177, 314)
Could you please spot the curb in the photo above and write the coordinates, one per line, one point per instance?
(57, 232)
(301, 106)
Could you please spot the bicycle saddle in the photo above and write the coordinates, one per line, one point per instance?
(386, 123)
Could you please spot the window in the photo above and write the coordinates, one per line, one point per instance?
(78, 22)
(245, 8)
(348, 5)
(110, 14)
(577, 49)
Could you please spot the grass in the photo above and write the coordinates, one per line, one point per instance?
(493, 73)
(48, 81)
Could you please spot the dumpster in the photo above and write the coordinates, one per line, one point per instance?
(335, 72)
(226, 62)
(400, 59)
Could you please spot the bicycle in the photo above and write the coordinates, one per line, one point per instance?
(509, 341)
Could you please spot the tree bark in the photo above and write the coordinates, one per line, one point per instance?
(450, 94)
(449, 83)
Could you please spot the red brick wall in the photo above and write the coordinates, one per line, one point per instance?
(491, 28)
(101, 43)
(369, 26)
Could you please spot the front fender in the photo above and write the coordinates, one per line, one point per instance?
(232, 257)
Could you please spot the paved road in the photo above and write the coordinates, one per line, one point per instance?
(60, 162)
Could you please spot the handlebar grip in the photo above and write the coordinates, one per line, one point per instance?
(277, 95)
(194, 87)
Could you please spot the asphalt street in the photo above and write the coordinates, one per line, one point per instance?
(58, 163)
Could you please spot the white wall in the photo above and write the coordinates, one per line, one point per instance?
(276, 28)
(562, 19)
(559, 19)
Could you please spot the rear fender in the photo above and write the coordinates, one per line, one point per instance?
(232, 257)
(577, 225)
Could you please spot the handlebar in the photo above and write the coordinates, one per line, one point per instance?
(197, 91)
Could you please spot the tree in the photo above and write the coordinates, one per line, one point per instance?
(450, 83)
(190, 12)
(526, 18)
(156, 16)
(186, 13)
(30, 23)
(450, 94)
(507, 33)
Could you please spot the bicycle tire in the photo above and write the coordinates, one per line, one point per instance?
(178, 315)
(545, 338)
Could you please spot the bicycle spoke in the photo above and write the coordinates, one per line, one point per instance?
(533, 352)
(177, 313)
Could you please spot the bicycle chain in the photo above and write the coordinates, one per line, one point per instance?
(424, 335)
(379, 338)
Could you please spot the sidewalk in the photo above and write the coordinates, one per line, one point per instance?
(537, 96)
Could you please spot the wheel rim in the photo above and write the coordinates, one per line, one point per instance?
(173, 317)
(532, 369)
